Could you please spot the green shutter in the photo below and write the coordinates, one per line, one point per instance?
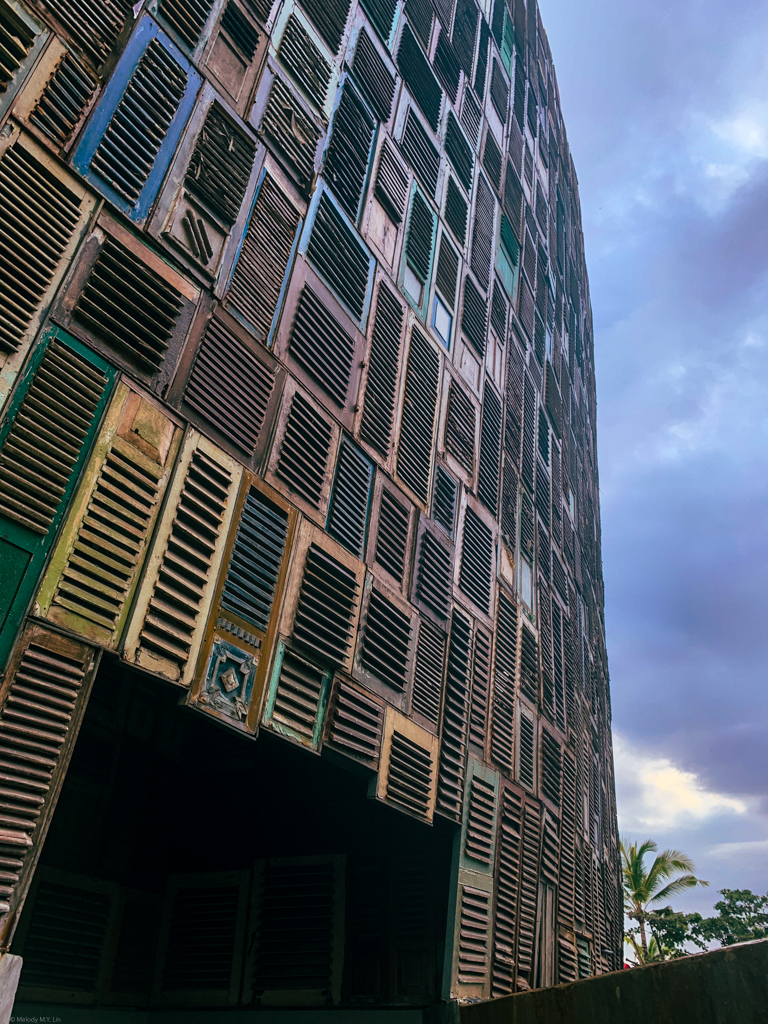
(45, 437)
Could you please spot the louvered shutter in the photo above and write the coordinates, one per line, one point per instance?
(456, 212)
(529, 664)
(478, 841)
(459, 152)
(322, 345)
(42, 701)
(471, 117)
(472, 951)
(355, 724)
(482, 233)
(378, 420)
(95, 25)
(373, 77)
(492, 160)
(447, 66)
(306, 63)
(481, 684)
(490, 450)
(297, 698)
(21, 39)
(45, 438)
(255, 288)
(187, 18)
(478, 561)
(137, 124)
(350, 499)
(302, 452)
(408, 770)
(420, 152)
(391, 550)
(460, 427)
(444, 501)
(529, 891)
(454, 733)
(447, 273)
(481, 69)
(499, 92)
(433, 587)
(60, 106)
(348, 155)
(503, 708)
(96, 564)
(391, 187)
(526, 752)
(507, 893)
(566, 895)
(474, 316)
(220, 166)
(418, 76)
(385, 650)
(428, 673)
(242, 623)
(417, 426)
(46, 213)
(338, 255)
(202, 939)
(419, 248)
(465, 33)
(291, 134)
(171, 608)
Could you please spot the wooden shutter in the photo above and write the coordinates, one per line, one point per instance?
(220, 166)
(483, 233)
(46, 214)
(418, 76)
(490, 450)
(507, 892)
(420, 152)
(305, 61)
(242, 623)
(529, 891)
(455, 724)
(382, 15)
(58, 95)
(428, 673)
(21, 39)
(447, 274)
(171, 607)
(378, 419)
(355, 724)
(384, 657)
(344, 263)
(202, 939)
(551, 767)
(505, 665)
(408, 769)
(460, 427)
(474, 316)
(471, 116)
(465, 33)
(42, 702)
(45, 437)
(255, 289)
(526, 747)
(433, 583)
(291, 133)
(350, 499)
(456, 209)
(96, 565)
(478, 838)
(447, 67)
(499, 92)
(373, 76)
(302, 454)
(473, 940)
(419, 247)
(186, 18)
(127, 148)
(235, 50)
(297, 698)
(445, 501)
(296, 941)
(481, 684)
(349, 150)
(391, 182)
(94, 24)
(492, 160)
(322, 345)
(459, 152)
(417, 426)
(478, 561)
(565, 894)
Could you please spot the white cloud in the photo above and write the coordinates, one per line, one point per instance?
(654, 793)
(726, 851)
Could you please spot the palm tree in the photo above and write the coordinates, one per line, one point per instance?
(644, 889)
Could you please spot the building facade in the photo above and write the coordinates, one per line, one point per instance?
(305, 693)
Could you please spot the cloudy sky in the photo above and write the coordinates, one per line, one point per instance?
(666, 108)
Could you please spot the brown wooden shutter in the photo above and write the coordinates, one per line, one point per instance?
(503, 708)
(305, 61)
(408, 770)
(477, 561)
(418, 76)
(417, 426)
(373, 76)
(42, 703)
(63, 101)
(291, 134)
(355, 724)
(420, 152)
(455, 724)
(481, 684)
(348, 154)
(460, 427)
(428, 673)
(529, 892)
(507, 893)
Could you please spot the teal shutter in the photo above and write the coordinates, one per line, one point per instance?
(45, 437)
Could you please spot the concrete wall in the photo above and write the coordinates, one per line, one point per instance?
(728, 986)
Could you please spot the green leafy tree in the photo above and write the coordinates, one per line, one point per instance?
(645, 889)
(741, 916)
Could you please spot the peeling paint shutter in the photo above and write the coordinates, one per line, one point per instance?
(257, 281)
(340, 258)
(234, 402)
(391, 182)
(187, 17)
(392, 536)
(507, 888)
(327, 608)
(456, 212)
(220, 166)
(305, 61)
(41, 215)
(474, 316)
(481, 679)
(322, 345)
(490, 450)
(372, 75)
(378, 420)
(477, 561)
(292, 134)
(434, 583)
(95, 24)
(460, 423)
(350, 499)
(386, 642)
(459, 152)
(418, 76)
(503, 710)
(349, 151)
(42, 703)
(455, 724)
(428, 672)
(417, 427)
(46, 436)
(305, 450)
(421, 153)
(298, 697)
(64, 100)
(129, 305)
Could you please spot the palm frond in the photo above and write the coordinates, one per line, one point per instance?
(679, 885)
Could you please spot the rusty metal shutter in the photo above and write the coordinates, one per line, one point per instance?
(434, 582)
(378, 419)
(304, 60)
(392, 182)
(481, 679)
(322, 346)
(372, 76)
(291, 134)
(482, 233)
(63, 101)
(94, 24)
(220, 166)
(129, 147)
(350, 499)
(409, 779)
(44, 695)
(455, 723)
(477, 561)
(41, 216)
(490, 450)
(447, 66)
(392, 535)
(446, 277)
(474, 316)
(349, 151)
(356, 725)
(444, 502)
(418, 76)
(459, 152)
(421, 153)
(326, 612)
(386, 642)
(129, 305)
(187, 17)
(503, 710)
(305, 450)
(460, 423)
(417, 426)
(428, 672)
(235, 402)
(254, 290)
(340, 258)
(507, 889)
(456, 212)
